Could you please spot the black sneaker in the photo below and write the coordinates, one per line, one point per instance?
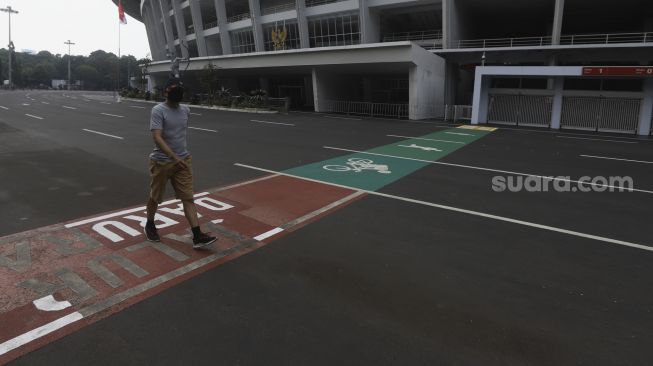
(203, 240)
(151, 234)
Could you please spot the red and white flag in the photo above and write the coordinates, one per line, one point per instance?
(121, 13)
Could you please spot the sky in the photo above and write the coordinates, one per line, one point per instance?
(44, 25)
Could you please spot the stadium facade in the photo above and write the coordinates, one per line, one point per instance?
(574, 64)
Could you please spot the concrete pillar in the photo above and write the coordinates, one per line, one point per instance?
(556, 111)
(221, 13)
(452, 23)
(257, 29)
(159, 38)
(646, 110)
(181, 26)
(196, 15)
(481, 99)
(369, 23)
(302, 24)
(167, 27)
(326, 87)
(154, 49)
(557, 21)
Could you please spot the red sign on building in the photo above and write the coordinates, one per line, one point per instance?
(618, 71)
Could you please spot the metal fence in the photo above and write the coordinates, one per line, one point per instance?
(278, 8)
(518, 109)
(574, 39)
(238, 17)
(413, 36)
(211, 25)
(610, 114)
(398, 110)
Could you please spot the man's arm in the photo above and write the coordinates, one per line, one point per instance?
(160, 142)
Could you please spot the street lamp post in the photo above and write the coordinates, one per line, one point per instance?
(10, 11)
(69, 44)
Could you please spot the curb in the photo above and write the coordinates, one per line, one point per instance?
(211, 108)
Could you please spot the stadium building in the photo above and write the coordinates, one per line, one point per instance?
(570, 64)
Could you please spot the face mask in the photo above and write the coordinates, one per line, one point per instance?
(176, 95)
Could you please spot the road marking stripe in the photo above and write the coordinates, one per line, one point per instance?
(45, 102)
(274, 123)
(268, 234)
(585, 138)
(112, 115)
(103, 134)
(421, 138)
(67, 107)
(118, 298)
(123, 212)
(26, 104)
(336, 117)
(493, 170)
(39, 332)
(105, 103)
(33, 116)
(465, 211)
(460, 133)
(193, 113)
(202, 129)
(49, 303)
(3, 107)
(608, 158)
(137, 106)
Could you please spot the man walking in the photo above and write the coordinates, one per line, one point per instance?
(171, 161)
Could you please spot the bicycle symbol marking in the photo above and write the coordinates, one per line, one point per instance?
(358, 165)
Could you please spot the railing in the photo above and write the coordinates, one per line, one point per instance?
(238, 17)
(321, 2)
(413, 36)
(211, 25)
(575, 39)
(278, 8)
(393, 110)
(399, 110)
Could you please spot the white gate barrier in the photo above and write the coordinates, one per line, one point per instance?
(518, 109)
(609, 114)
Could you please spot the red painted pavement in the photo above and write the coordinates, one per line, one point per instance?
(67, 255)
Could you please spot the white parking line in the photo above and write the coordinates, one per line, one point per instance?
(585, 138)
(104, 134)
(45, 102)
(619, 159)
(105, 102)
(26, 104)
(112, 115)
(193, 113)
(67, 107)
(268, 234)
(336, 117)
(460, 134)
(465, 211)
(202, 129)
(495, 170)
(421, 138)
(33, 116)
(137, 106)
(3, 107)
(273, 123)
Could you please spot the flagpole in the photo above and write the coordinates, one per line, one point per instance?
(118, 78)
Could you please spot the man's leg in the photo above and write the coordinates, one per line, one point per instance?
(190, 211)
(152, 205)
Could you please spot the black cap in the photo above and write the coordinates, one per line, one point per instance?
(173, 83)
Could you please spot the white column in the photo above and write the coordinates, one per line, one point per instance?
(369, 23)
(196, 15)
(302, 24)
(167, 27)
(221, 13)
(181, 25)
(557, 21)
(159, 38)
(481, 97)
(556, 112)
(646, 110)
(257, 30)
(150, 34)
(452, 23)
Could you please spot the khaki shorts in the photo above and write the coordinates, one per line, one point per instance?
(181, 179)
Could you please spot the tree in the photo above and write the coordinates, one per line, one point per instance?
(209, 79)
(88, 75)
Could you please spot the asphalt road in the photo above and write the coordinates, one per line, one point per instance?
(381, 281)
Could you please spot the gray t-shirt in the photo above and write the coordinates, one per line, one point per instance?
(173, 123)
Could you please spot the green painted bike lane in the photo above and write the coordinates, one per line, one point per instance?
(375, 168)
